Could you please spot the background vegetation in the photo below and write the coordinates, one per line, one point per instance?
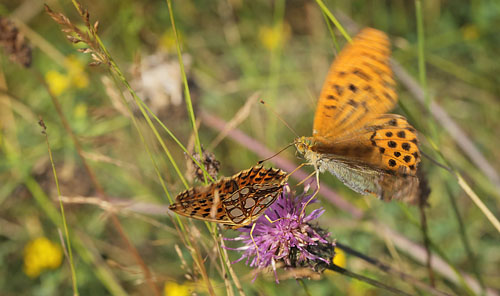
(235, 53)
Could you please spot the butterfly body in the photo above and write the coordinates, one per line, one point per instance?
(233, 201)
(353, 138)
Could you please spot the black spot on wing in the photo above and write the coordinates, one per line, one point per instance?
(339, 89)
(361, 74)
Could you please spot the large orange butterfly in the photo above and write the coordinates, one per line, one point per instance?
(233, 201)
(369, 151)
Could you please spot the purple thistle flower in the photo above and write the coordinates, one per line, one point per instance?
(289, 239)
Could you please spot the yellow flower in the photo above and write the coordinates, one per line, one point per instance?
(174, 289)
(339, 258)
(41, 254)
(272, 37)
(57, 82)
(76, 71)
(76, 76)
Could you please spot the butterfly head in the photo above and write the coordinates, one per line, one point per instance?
(302, 145)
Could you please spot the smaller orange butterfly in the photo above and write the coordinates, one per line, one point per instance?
(353, 138)
(233, 201)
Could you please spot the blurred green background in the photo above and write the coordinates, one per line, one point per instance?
(231, 50)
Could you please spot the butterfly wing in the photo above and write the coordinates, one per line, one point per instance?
(388, 143)
(262, 188)
(259, 175)
(364, 179)
(359, 85)
(201, 210)
(234, 201)
(246, 205)
(205, 202)
(380, 158)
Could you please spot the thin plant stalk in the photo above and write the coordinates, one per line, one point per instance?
(334, 20)
(141, 136)
(390, 270)
(229, 267)
(425, 234)
(465, 240)
(184, 149)
(63, 215)
(421, 51)
(187, 94)
(365, 279)
(332, 33)
(275, 60)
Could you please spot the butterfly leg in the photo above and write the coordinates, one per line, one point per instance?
(296, 169)
(273, 221)
(254, 243)
(305, 179)
(315, 193)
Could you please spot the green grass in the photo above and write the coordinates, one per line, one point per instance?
(136, 150)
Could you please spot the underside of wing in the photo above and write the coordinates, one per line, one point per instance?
(202, 209)
(259, 175)
(234, 201)
(359, 85)
(205, 202)
(224, 187)
(365, 179)
(248, 203)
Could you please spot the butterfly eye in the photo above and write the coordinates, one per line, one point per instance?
(301, 148)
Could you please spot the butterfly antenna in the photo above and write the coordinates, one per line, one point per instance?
(436, 162)
(266, 159)
(279, 117)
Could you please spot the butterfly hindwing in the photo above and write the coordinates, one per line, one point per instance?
(248, 203)
(235, 201)
(203, 209)
(388, 143)
(365, 179)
